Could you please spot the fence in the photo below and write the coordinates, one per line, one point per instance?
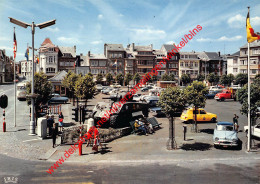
(52, 109)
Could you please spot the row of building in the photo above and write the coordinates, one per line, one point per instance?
(138, 59)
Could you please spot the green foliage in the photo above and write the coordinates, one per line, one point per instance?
(241, 79)
(172, 100)
(99, 78)
(90, 74)
(137, 77)
(85, 87)
(149, 80)
(154, 78)
(242, 96)
(128, 78)
(120, 78)
(257, 79)
(196, 94)
(42, 87)
(200, 77)
(185, 79)
(69, 81)
(165, 77)
(213, 78)
(224, 80)
(172, 77)
(109, 78)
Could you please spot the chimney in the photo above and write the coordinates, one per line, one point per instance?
(75, 49)
(88, 53)
(81, 54)
(218, 53)
(133, 47)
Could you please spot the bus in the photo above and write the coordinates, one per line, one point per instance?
(21, 91)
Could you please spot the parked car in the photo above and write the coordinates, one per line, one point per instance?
(99, 87)
(229, 93)
(151, 100)
(202, 115)
(115, 85)
(56, 98)
(225, 135)
(157, 111)
(113, 91)
(212, 93)
(106, 90)
(255, 130)
(136, 97)
(144, 89)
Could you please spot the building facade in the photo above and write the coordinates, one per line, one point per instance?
(66, 58)
(233, 63)
(189, 64)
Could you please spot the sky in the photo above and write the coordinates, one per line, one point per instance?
(89, 24)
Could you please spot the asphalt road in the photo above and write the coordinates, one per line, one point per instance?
(242, 172)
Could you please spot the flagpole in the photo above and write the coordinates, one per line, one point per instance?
(248, 98)
(14, 91)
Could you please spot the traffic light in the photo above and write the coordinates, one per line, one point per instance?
(3, 101)
(84, 114)
(76, 114)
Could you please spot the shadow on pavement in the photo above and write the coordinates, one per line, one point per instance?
(207, 130)
(68, 124)
(197, 146)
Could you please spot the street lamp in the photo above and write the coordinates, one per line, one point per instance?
(25, 25)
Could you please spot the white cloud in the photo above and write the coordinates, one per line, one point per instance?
(7, 48)
(70, 40)
(146, 34)
(223, 38)
(4, 38)
(237, 21)
(204, 40)
(170, 42)
(54, 30)
(121, 15)
(234, 38)
(255, 21)
(96, 42)
(100, 16)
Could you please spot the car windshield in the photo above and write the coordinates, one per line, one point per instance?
(225, 127)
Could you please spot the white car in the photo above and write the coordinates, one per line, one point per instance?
(99, 87)
(136, 97)
(115, 85)
(113, 91)
(255, 130)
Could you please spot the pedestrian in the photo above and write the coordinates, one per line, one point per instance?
(235, 121)
(61, 117)
(54, 134)
(50, 122)
(96, 140)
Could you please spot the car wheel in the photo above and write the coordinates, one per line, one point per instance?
(222, 99)
(216, 146)
(213, 120)
(190, 121)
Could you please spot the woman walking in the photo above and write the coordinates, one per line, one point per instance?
(61, 117)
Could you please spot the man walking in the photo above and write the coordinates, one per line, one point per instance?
(235, 121)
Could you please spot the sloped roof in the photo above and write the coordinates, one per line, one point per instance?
(253, 44)
(209, 56)
(115, 47)
(68, 50)
(47, 41)
(236, 53)
(168, 47)
(59, 77)
(97, 56)
(143, 48)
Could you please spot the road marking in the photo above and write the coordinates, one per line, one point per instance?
(31, 140)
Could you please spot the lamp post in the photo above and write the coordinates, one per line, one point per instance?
(32, 95)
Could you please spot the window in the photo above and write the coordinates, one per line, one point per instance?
(182, 56)
(196, 72)
(196, 64)
(50, 59)
(94, 63)
(102, 63)
(253, 71)
(149, 62)
(54, 59)
(186, 64)
(50, 70)
(140, 62)
(181, 63)
(202, 112)
(235, 61)
(183, 72)
(235, 70)
(253, 61)
(62, 63)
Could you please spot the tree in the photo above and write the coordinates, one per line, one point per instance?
(172, 77)
(149, 80)
(213, 78)
(196, 96)
(120, 78)
(137, 77)
(224, 80)
(99, 78)
(128, 78)
(241, 79)
(172, 101)
(230, 78)
(200, 77)
(166, 77)
(85, 87)
(185, 79)
(109, 78)
(90, 74)
(43, 89)
(257, 79)
(242, 96)
(69, 82)
(154, 78)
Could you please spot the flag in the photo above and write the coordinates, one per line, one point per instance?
(75, 63)
(27, 54)
(37, 60)
(15, 45)
(251, 36)
(115, 64)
